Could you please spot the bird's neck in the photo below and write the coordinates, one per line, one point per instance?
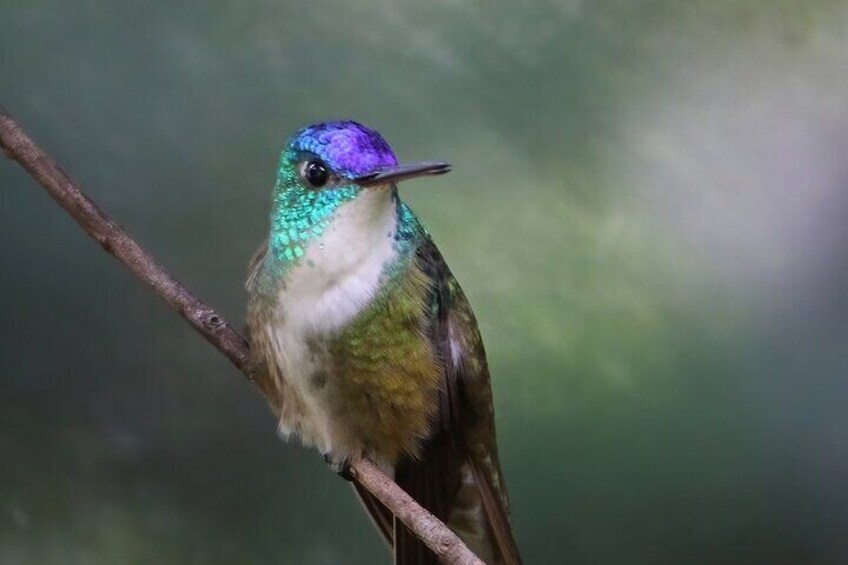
(360, 256)
(366, 238)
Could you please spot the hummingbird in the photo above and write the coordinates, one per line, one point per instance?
(370, 344)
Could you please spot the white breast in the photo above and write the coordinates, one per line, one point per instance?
(336, 279)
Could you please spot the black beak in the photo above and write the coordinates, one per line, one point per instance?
(398, 173)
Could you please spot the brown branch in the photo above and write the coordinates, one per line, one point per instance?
(427, 527)
(118, 243)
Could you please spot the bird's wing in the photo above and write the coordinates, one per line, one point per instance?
(458, 477)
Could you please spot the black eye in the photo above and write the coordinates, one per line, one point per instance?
(316, 173)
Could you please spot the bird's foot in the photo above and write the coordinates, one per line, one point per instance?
(341, 468)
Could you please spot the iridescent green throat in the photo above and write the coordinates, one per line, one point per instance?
(300, 214)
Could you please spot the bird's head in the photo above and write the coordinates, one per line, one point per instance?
(326, 165)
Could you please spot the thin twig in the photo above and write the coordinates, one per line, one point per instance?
(118, 243)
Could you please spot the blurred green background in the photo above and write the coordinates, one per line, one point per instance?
(648, 211)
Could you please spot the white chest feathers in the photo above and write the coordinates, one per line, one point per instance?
(337, 277)
(340, 272)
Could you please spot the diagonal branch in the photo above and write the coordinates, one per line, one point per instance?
(118, 243)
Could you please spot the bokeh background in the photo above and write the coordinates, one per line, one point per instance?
(649, 212)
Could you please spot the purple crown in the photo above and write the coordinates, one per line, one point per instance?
(347, 147)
